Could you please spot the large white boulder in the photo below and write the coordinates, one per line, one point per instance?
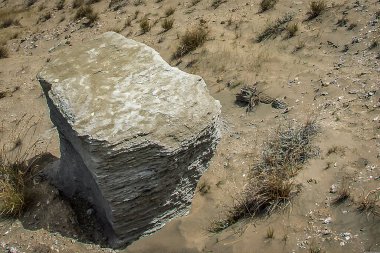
(135, 133)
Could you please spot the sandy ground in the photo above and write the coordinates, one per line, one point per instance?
(325, 70)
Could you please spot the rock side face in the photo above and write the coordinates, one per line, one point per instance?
(135, 133)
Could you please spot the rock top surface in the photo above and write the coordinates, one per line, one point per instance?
(132, 94)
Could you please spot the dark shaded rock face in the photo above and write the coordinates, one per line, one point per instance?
(135, 133)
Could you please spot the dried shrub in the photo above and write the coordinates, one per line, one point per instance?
(192, 39)
(9, 21)
(86, 12)
(167, 24)
(16, 169)
(117, 4)
(93, 1)
(370, 203)
(145, 25)
(216, 3)
(3, 52)
(194, 2)
(316, 8)
(270, 233)
(271, 185)
(60, 4)
(77, 3)
(267, 5)
(169, 11)
(30, 2)
(343, 192)
(138, 2)
(274, 29)
(291, 29)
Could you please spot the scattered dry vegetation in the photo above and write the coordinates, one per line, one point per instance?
(316, 8)
(145, 25)
(194, 2)
(60, 4)
(77, 3)
(267, 5)
(343, 192)
(274, 29)
(270, 233)
(30, 2)
(17, 170)
(291, 29)
(167, 24)
(192, 39)
(86, 11)
(271, 184)
(216, 3)
(3, 52)
(370, 202)
(170, 11)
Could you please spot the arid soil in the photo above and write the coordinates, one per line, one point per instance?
(328, 70)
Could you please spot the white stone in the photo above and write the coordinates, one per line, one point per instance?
(135, 133)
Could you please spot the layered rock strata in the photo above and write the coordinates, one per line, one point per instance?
(135, 133)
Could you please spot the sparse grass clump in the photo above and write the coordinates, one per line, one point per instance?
(167, 24)
(216, 3)
(374, 44)
(370, 202)
(12, 184)
(271, 184)
(17, 170)
(274, 29)
(60, 4)
(77, 3)
(316, 8)
(145, 25)
(3, 52)
(30, 2)
(7, 22)
(93, 1)
(291, 29)
(192, 39)
(194, 2)
(343, 192)
(170, 11)
(267, 5)
(86, 12)
(138, 2)
(270, 233)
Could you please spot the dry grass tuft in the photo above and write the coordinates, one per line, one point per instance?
(86, 12)
(60, 4)
(266, 5)
(145, 25)
(370, 202)
(343, 192)
(194, 2)
(274, 29)
(169, 11)
(167, 24)
(316, 8)
(271, 185)
(17, 170)
(216, 3)
(77, 3)
(291, 29)
(3, 52)
(192, 39)
(270, 233)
